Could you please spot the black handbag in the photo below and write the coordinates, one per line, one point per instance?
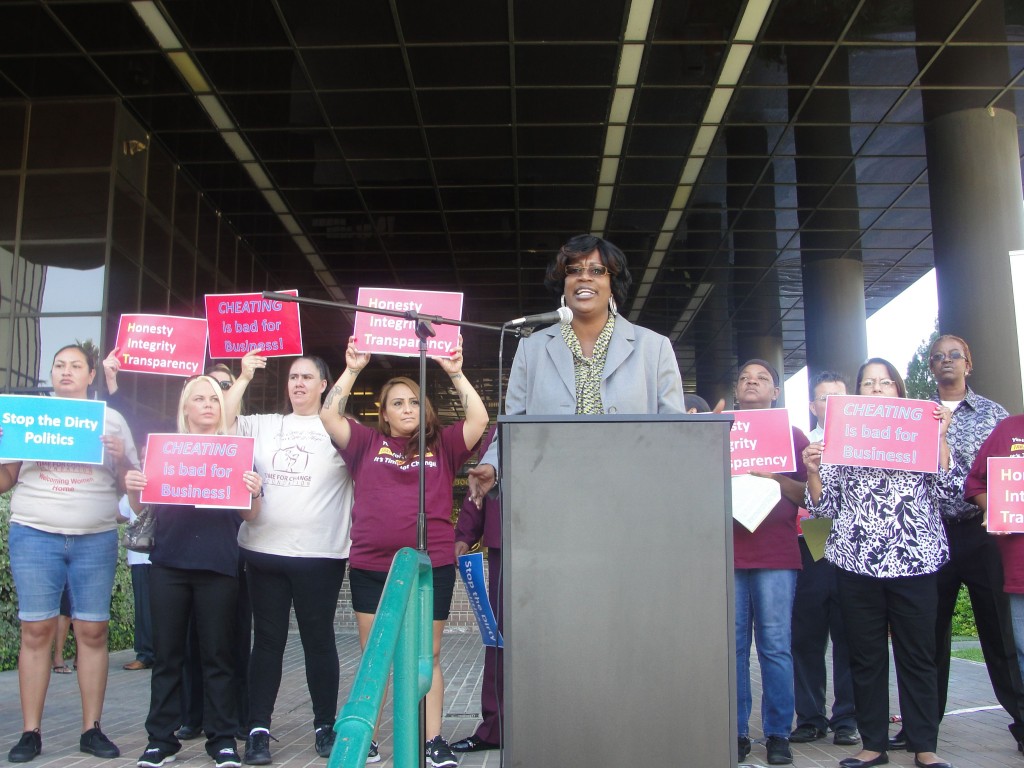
(140, 535)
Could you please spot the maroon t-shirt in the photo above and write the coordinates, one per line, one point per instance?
(1007, 439)
(387, 495)
(774, 544)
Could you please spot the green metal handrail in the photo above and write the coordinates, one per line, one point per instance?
(403, 634)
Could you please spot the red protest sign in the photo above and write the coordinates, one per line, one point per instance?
(387, 335)
(204, 470)
(881, 432)
(240, 322)
(175, 346)
(1005, 494)
(761, 440)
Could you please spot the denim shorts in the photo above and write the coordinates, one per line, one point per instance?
(42, 563)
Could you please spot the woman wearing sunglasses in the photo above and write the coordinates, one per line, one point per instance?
(887, 543)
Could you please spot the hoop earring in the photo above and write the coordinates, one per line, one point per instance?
(561, 299)
(612, 306)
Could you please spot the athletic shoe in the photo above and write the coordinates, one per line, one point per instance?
(373, 756)
(28, 747)
(324, 740)
(257, 747)
(94, 742)
(227, 758)
(439, 754)
(154, 757)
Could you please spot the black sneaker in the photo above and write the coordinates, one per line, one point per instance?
(778, 751)
(846, 736)
(257, 747)
(373, 756)
(154, 757)
(94, 742)
(227, 758)
(806, 734)
(742, 748)
(188, 732)
(28, 747)
(439, 754)
(324, 740)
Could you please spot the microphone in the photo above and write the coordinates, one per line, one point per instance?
(562, 315)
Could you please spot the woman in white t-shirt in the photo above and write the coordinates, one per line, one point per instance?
(64, 530)
(295, 551)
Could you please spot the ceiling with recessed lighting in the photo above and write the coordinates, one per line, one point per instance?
(455, 146)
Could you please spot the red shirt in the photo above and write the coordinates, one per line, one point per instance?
(386, 501)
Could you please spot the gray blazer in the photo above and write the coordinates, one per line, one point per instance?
(640, 375)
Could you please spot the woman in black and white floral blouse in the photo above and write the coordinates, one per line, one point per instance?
(888, 543)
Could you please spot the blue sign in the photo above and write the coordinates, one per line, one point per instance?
(471, 568)
(52, 429)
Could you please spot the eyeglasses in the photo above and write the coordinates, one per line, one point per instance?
(594, 270)
(953, 355)
(883, 383)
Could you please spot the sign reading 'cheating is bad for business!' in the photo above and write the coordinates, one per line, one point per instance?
(389, 335)
(203, 470)
(761, 440)
(881, 432)
(242, 322)
(162, 344)
(1005, 494)
(52, 429)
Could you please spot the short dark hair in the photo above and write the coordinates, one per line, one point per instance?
(958, 340)
(691, 401)
(611, 256)
(901, 388)
(764, 364)
(829, 377)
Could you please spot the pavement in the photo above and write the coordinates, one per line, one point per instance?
(973, 733)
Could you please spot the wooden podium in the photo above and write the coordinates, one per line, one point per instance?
(618, 591)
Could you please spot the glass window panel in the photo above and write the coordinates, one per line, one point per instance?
(183, 270)
(12, 137)
(56, 332)
(8, 205)
(154, 295)
(73, 290)
(226, 261)
(127, 219)
(71, 135)
(157, 244)
(64, 206)
(160, 182)
(123, 287)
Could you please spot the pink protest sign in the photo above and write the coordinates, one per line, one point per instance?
(761, 440)
(386, 335)
(881, 432)
(175, 346)
(240, 322)
(1005, 494)
(200, 470)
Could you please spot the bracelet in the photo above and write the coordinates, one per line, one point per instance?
(260, 494)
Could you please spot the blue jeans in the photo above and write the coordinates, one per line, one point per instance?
(42, 563)
(1017, 617)
(764, 611)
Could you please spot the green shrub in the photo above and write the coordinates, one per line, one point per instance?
(122, 607)
(963, 616)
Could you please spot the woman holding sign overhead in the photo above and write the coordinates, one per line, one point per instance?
(296, 551)
(64, 530)
(385, 466)
(887, 542)
(194, 573)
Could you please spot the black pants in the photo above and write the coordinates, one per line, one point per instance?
(871, 608)
(974, 560)
(818, 615)
(175, 595)
(312, 584)
(192, 687)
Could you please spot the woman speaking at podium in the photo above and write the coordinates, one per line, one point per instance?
(598, 363)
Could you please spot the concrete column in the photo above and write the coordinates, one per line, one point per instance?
(835, 325)
(974, 182)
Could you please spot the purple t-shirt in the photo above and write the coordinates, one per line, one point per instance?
(387, 495)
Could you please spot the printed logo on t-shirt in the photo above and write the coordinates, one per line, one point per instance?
(63, 477)
(289, 468)
(1018, 445)
(397, 459)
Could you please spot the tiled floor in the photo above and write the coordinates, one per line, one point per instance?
(973, 734)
